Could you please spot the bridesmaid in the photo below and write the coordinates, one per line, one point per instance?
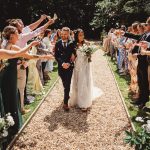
(5, 54)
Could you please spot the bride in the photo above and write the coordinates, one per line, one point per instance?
(83, 91)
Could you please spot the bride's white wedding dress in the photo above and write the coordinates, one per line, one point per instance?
(82, 90)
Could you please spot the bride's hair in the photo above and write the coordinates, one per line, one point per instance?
(76, 33)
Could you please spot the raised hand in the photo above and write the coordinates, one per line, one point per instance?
(35, 43)
(43, 17)
(55, 17)
(51, 20)
(143, 44)
(49, 17)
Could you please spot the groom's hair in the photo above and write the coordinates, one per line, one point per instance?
(66, 29)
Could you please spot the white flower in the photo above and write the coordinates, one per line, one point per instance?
(1, 120)
(146, 127)
(10, 120)
(5, 133)
(139, 119)
(148, 122)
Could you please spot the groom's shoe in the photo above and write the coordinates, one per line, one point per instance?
(65, 107)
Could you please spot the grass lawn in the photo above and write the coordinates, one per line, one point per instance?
(38, 98)
(123, 83)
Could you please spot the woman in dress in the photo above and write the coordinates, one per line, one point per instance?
(34, 85)
(10, 89)
(49, 47)
(82, 86)
(5, 54)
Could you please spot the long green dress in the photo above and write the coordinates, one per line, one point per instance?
(2, 113)
(10, 94)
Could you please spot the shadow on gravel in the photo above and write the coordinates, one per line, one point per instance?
(74, 120)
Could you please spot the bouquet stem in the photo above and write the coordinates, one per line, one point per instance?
(89, 59)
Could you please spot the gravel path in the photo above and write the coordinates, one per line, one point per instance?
(102, 128)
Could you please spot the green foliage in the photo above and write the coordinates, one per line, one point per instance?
(104, 9)
(70, 13)
(139, 139)
(111, 13)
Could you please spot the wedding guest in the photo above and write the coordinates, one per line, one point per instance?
(49, 47)
(141, 28)
(122, 59)
(41, 49)
(135, 59)
(113, 38)
(71, 35)
(147, 30)
(58, 34)
(7, 54)
(54, 39)
(106, 45)
(23, 39)
(9, 83)
(132, 66)
(142, 69)
(11, 34)
(34, 84)
(26, 29)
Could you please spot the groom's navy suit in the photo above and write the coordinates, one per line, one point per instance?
(63, 53)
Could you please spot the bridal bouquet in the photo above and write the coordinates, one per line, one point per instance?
(5, 123)
(88, 50)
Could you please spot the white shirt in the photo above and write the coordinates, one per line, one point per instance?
(25, 37)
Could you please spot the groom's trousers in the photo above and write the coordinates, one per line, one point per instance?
(66, 76)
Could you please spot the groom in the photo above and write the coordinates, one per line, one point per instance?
(64, 52)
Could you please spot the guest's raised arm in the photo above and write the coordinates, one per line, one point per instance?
(34, 25)
(7, 54)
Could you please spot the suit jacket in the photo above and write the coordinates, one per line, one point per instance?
(63, 55)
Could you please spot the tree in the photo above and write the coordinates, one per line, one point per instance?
(75, 14)
(116, 12)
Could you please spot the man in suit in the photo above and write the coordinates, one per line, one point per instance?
(64, 52)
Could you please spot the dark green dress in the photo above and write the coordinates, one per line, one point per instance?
(2, 113)
(10, 94)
